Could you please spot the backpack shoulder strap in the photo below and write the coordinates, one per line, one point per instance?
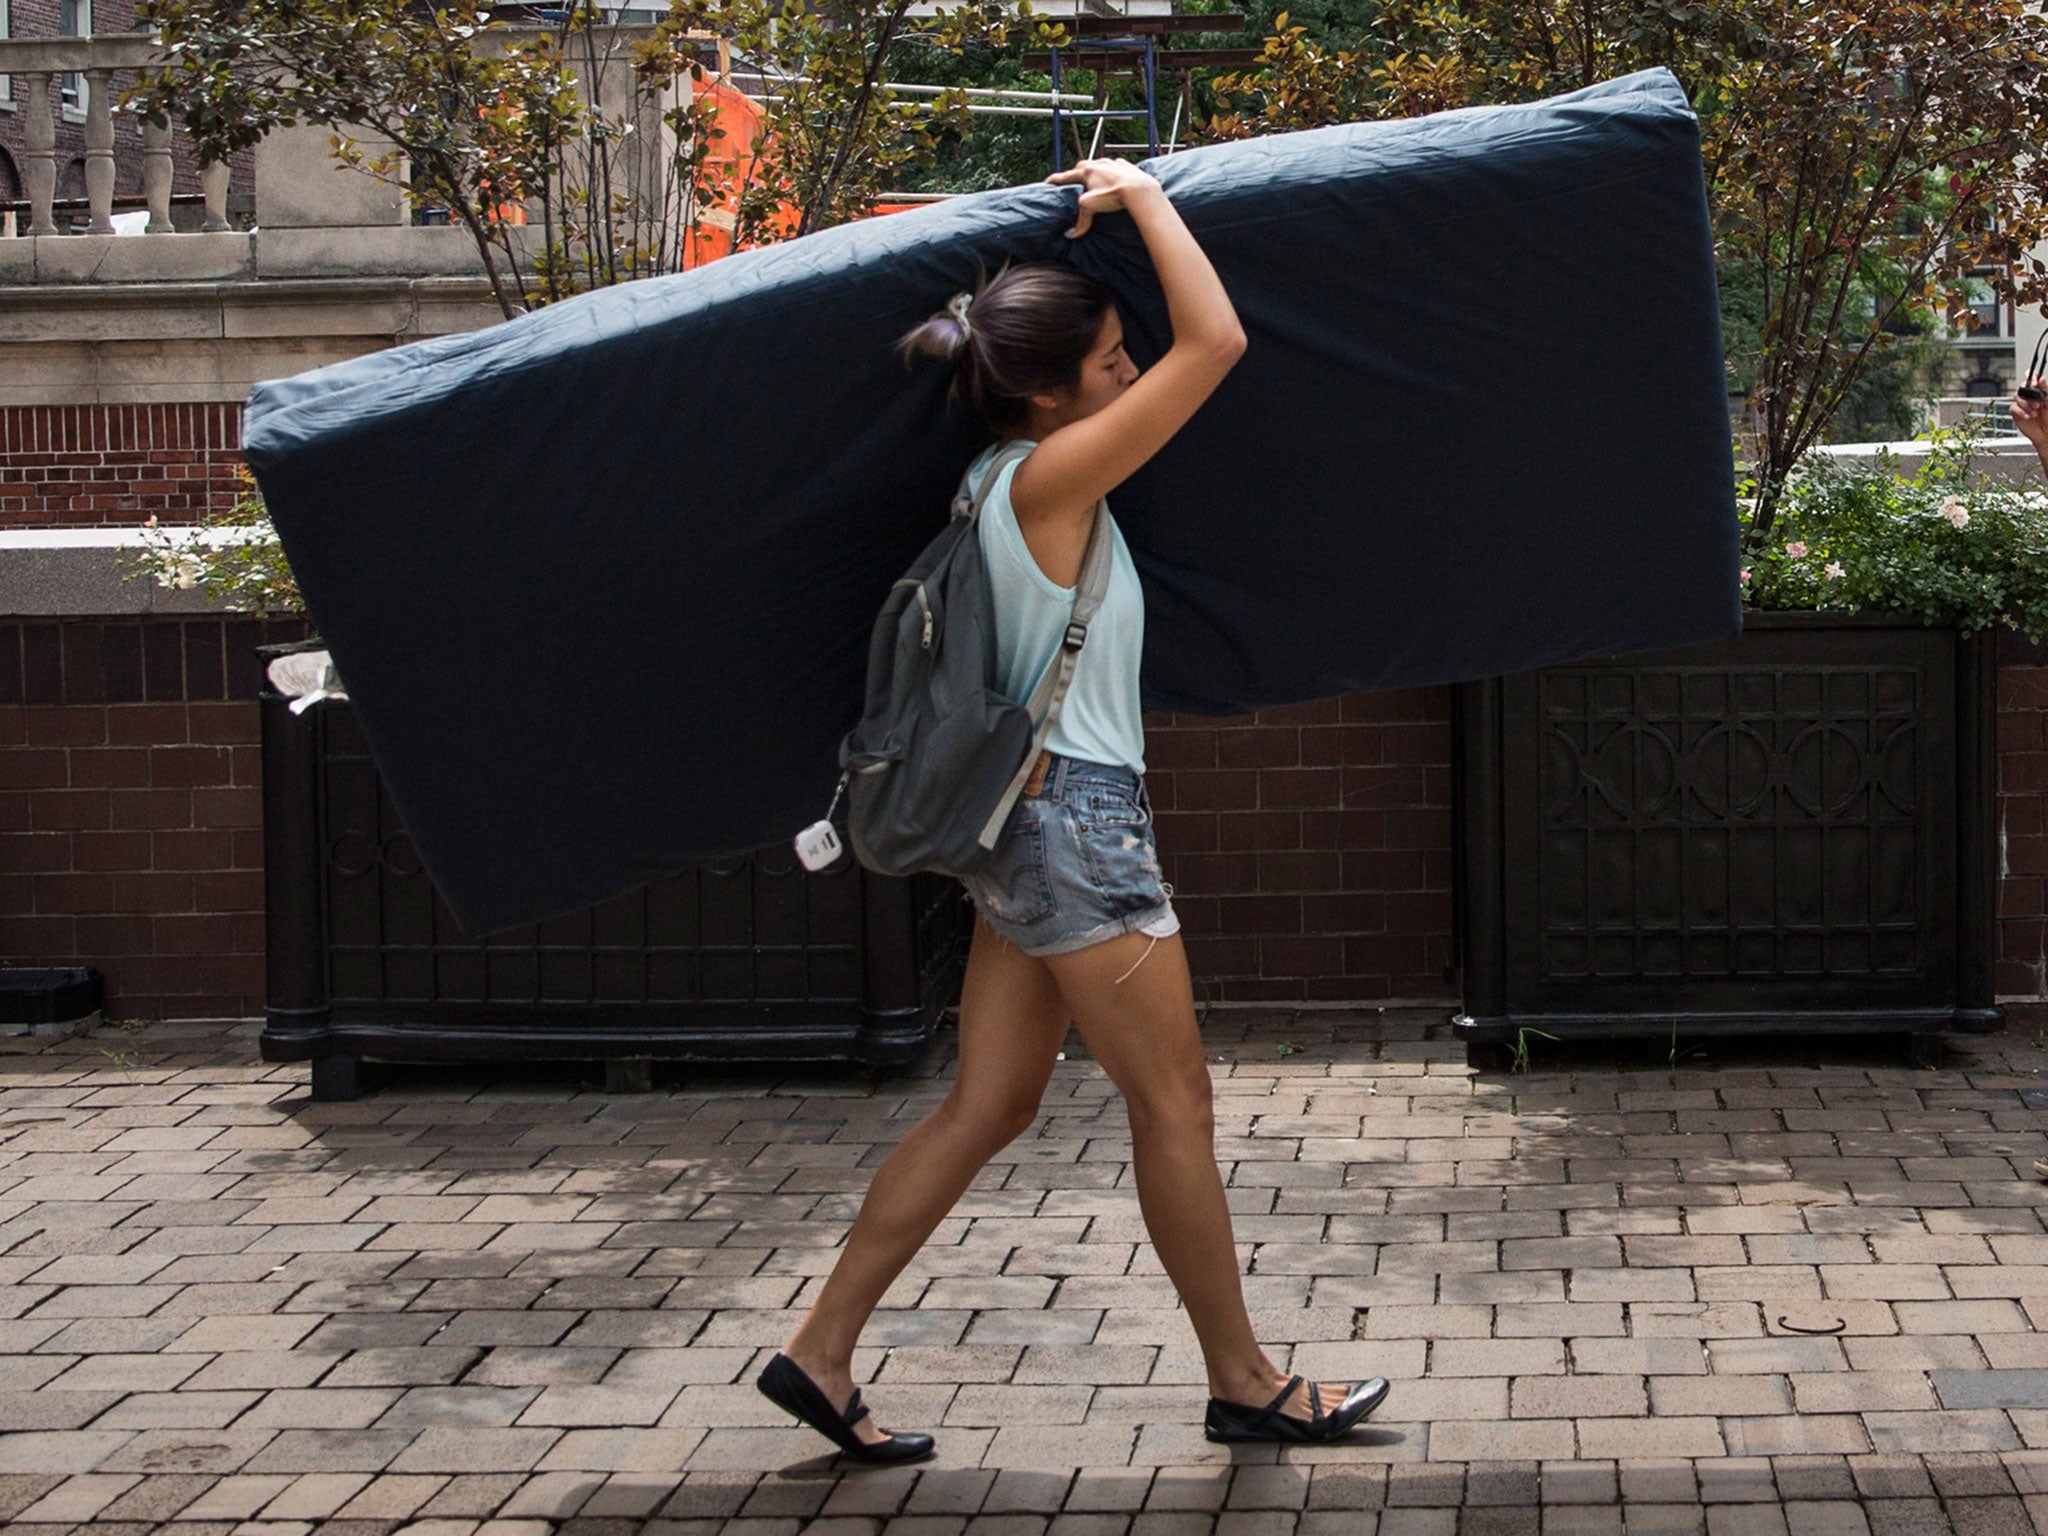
(1051, 691)
(967, 502)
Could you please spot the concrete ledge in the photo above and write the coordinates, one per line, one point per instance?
(49, 317)
(393, 314)
(125, 372)
(115, 342)
(129, 258)
(301, 185)
(18, 260)
(1997, 461)
(90, 312)
(402, 251)
(446, 315)
(360, 252)
(78, 573)
(108, 50)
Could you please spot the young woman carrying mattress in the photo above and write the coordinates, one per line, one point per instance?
(1072, 920)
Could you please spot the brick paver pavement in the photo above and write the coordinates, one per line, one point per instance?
(1741, 1295)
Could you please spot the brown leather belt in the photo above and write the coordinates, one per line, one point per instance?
(1039, 770)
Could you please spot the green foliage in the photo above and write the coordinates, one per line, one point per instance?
(1518, 1061)
(1885, 398)
(136, 1034)
(232, 556)
(1864, 158)
(1857, 538)
(465, 111)
(987, 150)
(475, 116)
(837, 135)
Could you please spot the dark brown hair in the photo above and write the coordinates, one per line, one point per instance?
(1028, 331)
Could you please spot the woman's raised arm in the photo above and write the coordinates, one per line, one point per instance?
(1082, 461)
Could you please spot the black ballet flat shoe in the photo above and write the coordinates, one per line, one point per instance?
(789, 1389)
(1229, 1422)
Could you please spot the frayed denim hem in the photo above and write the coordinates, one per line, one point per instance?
(1158, 922)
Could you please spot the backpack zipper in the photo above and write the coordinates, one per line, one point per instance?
(923, 606)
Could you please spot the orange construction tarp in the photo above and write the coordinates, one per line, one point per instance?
(737, 121)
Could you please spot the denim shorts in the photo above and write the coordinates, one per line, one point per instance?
(1076, 865)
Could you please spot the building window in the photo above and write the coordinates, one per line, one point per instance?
(6, 30)
(74, 19)
(1982, 300)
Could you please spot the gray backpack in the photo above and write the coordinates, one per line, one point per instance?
(939, 757)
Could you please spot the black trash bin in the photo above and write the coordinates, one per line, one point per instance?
(750, 958)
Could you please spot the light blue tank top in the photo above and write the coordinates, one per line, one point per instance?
(1101, 720)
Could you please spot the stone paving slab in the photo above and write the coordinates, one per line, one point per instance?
(1740, 1294)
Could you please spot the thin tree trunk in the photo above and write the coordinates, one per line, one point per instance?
(856, 118)
(511, 308)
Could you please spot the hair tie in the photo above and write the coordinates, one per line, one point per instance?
(957, 308)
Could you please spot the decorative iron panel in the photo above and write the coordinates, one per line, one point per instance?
(747, 930)
(1704, 830)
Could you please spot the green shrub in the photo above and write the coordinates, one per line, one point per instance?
(233, 557)
(1861, 538)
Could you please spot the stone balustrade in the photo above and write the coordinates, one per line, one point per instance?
(38, 66)
(314, 218)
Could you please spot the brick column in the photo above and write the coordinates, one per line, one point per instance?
(130, 807)
(2022, 970)
(1310, 847)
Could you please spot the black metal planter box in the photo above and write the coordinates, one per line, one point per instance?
(1789, 833)
(748, 959)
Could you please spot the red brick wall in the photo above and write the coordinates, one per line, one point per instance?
(1310, 847)
(71, 465)
(130, 810)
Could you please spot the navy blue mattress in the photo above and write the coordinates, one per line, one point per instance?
(599, 580)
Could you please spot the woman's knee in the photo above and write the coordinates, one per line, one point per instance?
(1179, 1103)
(991, 1120)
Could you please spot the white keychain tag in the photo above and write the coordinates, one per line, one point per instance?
(818, 845)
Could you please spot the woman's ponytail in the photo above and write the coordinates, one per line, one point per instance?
(943, 336)
(1025, 332)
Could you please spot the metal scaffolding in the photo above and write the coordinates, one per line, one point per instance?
(1132, 49)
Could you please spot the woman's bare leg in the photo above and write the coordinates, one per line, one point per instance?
(1134, 1004)
(1012, 1021)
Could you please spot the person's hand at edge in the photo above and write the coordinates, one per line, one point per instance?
(2031, 417)
(1107, 186)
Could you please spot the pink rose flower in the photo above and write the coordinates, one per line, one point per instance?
(1796, 549)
